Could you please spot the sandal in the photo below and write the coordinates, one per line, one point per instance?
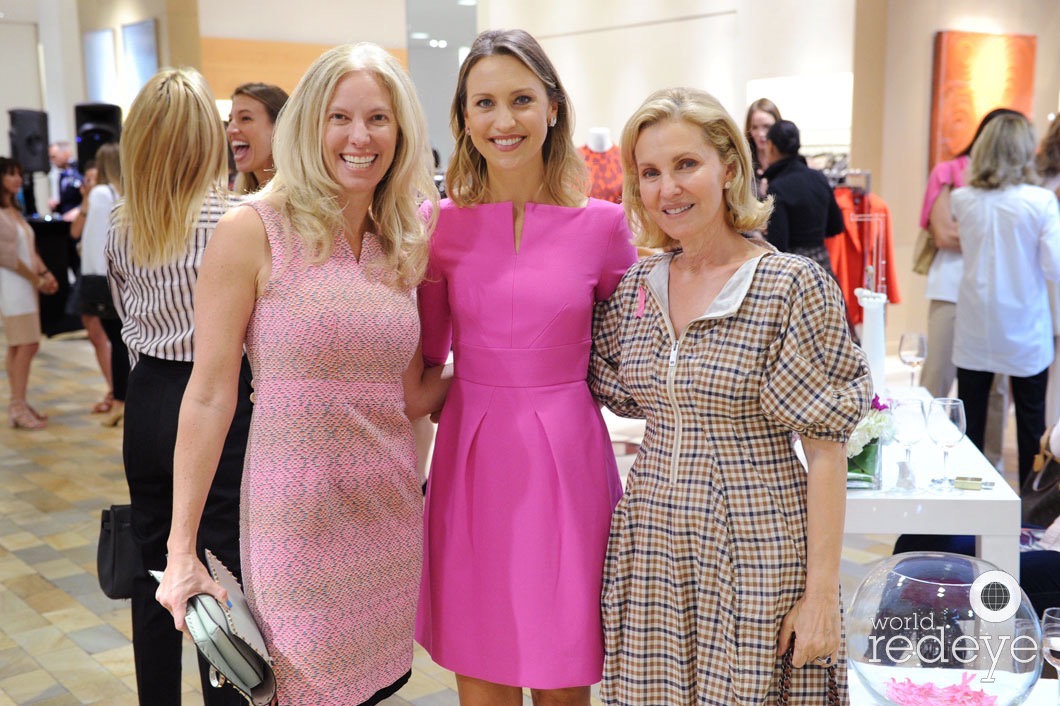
(104, 405)
(21, 416)
(115, 417)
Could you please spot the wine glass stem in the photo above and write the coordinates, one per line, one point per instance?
(908, 454)
(946, 465)
(912, 377)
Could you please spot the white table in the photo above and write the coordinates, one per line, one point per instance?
(993, 515)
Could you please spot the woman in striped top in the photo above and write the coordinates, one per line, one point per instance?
(173, 159)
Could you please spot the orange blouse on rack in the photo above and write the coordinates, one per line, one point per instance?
(847, 249)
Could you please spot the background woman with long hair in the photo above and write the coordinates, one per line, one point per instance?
(173, 159)
(255, 107)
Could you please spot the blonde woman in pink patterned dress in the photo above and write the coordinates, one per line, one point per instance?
(317, 277)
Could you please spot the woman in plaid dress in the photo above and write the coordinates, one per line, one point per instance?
(723, 545)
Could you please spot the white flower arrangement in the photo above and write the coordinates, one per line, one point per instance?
(877, 424)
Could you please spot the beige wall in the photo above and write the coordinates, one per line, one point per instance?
(904, 108)
(177, 25)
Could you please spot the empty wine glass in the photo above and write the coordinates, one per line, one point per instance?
(1051, 637)
(912, 349)
(946, 427)
(909, 422)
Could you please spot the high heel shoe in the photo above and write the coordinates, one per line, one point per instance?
(115, 416)
(21, 416)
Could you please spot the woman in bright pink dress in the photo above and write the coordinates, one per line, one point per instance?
(523, 478)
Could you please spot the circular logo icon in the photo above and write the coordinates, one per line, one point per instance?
(995, 596)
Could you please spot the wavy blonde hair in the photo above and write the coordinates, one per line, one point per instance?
(172, 156)
(1003, 155)
(702, 110)
(566, 177)
(311, 196)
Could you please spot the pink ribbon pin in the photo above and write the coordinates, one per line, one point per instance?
(641, 300)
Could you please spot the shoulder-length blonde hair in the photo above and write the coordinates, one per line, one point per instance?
(108, 166)
(566, 178)
(311, 196)
(172, 155)
(1004, 154)
(720, 131)
(272, 98)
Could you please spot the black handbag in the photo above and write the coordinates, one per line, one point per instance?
(96, 298)
(1040, 494)
(118, 558)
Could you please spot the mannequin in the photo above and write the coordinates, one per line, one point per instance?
(602, 157)
(599, 139)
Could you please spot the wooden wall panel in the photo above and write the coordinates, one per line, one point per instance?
(227, 63)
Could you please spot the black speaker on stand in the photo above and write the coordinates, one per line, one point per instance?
(29, 147)
(97, 124)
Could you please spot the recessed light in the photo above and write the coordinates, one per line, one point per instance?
(418, 35)
(442, 44)
(433, 42)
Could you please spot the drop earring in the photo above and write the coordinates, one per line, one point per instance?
(552, 122)
(467, 130)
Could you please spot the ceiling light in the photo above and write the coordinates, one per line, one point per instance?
(418, 35)
(433, 42)
(442, 44)
(467, 3)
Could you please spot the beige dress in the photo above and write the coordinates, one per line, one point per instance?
(18, 297)
(707, 551)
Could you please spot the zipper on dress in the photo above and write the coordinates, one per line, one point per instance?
(670, 374)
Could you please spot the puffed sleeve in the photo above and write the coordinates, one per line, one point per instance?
(817, 382)
(619, 256)
(609, 321)
(435, 318)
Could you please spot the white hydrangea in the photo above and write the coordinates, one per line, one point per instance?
(877, 424)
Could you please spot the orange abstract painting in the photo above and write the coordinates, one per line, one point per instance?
(975, 73)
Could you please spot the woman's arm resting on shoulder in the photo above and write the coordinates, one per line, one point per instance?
(234, 268)
(815, 616)
(941, 223)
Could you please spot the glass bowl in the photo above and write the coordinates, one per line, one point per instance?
(937, 628)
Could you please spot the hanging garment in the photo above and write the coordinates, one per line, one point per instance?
(847, 248)
(605, 170)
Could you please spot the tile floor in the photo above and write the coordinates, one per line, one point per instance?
(62, 642)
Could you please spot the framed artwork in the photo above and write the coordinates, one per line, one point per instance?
(973, 74)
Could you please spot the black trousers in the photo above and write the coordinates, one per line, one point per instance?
(119, 358)
(1028, 394)
(152, 405)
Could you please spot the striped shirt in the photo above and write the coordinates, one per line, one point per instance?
(156, 304)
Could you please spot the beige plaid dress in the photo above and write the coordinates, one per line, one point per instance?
(707, 550)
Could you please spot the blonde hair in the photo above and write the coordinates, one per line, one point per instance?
(108, 166)
(1004, 154)
(172, 155)
(311, 196)
(566, 177)
(720, 131)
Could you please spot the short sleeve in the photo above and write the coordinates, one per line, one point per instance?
(435, 317)
(943, 174)
(609, 321)
(619, 256)
(817, 382)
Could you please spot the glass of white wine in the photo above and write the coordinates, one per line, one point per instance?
(1051, 638)
(912, 350)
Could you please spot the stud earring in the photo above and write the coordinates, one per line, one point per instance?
(467, 130)
(728, 185)
(552, 122)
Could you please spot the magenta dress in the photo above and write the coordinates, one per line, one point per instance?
(523, 478)
(331, 508)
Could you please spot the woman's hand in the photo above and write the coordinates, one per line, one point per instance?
(815, 620)
(47, 284)
(185, 576)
